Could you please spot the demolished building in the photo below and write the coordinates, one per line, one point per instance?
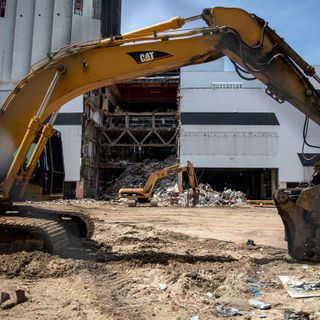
(233, 133)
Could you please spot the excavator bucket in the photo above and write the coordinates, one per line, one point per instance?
(299, 211)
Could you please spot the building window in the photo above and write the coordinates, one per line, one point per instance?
(226, 85)
(2, 8)
(78, 7)
(96, 9)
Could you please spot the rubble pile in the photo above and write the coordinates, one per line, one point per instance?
(166, 190)
(137, 173)
(207, 197)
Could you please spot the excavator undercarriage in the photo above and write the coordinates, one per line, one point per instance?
(24, 228)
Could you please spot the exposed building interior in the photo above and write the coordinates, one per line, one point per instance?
(131, 121)
(255, 183)
(139, 120)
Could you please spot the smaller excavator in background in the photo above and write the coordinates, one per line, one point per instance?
(146, 194)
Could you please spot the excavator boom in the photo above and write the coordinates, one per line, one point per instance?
(73, 70)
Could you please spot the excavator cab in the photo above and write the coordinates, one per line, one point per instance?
(55, 171)
(47, 181)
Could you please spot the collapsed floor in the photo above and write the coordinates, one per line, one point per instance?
(134, 271)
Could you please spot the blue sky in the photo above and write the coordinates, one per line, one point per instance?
(297, 21)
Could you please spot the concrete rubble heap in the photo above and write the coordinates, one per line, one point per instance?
(136, 174)
(166, 190)
(207, 197)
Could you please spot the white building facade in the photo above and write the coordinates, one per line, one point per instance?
(231, 125)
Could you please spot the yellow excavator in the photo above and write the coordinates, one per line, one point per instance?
(28, 114)
(145, 194)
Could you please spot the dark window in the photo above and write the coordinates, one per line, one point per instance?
(230, 118)
(96, 9)
(78, 7)
(2, 8)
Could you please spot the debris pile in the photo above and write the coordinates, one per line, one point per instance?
(137, 174)
(206, 197)
(166, 190)
(82, 201)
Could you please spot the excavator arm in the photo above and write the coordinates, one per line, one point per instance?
(165, 172)
(73, 70)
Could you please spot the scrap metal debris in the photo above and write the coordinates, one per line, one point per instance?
(300, 289)
(255, 291)
(166, 191)
(136, 174)
(163, 286)
(229, 311)
(207, 197)
(250, 243)
(259, 304)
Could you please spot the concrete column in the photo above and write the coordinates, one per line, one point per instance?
(274, 180)
(7, 27)
(23, 34)
(42, 29)
(179, 182)
(79, 189)
(62, 23)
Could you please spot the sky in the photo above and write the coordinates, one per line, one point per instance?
(295, 20)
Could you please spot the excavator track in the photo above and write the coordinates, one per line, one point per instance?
(18, 233)
(31, 228)
(81, 224)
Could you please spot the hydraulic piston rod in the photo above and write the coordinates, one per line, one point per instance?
(46, 134)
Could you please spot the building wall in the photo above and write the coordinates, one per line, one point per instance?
(30, 30)
(223, 145)
(71, 137)
(43, 29)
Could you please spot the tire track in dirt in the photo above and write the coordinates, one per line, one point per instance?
(118, 298)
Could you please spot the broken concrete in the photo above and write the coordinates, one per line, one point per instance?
(207, 197)
(136, 174)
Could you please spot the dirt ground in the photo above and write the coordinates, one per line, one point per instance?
(161, 263)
